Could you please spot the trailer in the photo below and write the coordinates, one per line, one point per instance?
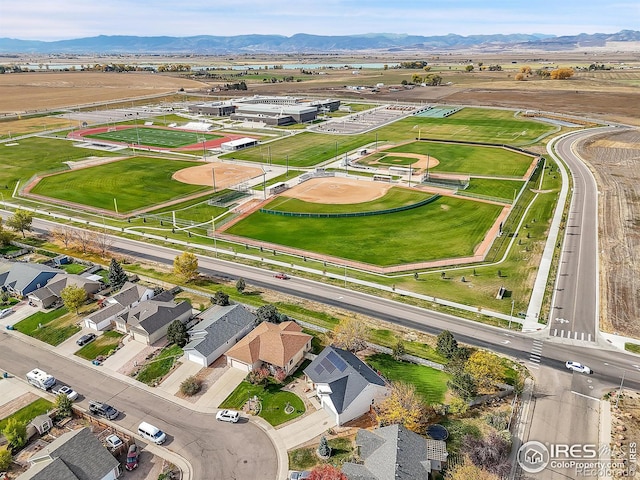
(41, 379)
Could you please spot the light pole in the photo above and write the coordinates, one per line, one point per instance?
(345, 276)
(511, 315)
(620, 389)
(213, 175)
(213, 232)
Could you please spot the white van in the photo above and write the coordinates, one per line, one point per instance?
(154, 434)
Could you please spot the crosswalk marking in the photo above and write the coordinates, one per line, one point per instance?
(571, 335)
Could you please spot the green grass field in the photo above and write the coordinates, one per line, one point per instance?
(470, 159)
(395, 197)
(33, 155)
(505, 189)
(155, 137)
(135, 183)
(100, 346)
(446, 228)
(469, 124)
(159, 366)
(28, 413)
(431, 384)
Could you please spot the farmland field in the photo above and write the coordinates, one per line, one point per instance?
(446, 228)
(135, 183)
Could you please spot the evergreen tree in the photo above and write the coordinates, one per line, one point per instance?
(117, 275)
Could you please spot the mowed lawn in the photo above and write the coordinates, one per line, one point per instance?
(430, 384)
(470, 159)
(469, 124)
(135, 183)
(395, 197)
(33, 155)
(504, 189)
(446, 228)
(155, 137)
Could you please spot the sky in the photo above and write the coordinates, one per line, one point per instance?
(50, 20)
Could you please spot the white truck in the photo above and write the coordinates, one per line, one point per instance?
(41, 379)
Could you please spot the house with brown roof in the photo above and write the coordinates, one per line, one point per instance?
(46, 296)
(281, 345)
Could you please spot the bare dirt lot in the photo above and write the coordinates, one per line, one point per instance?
(226, 174)
(338, 190)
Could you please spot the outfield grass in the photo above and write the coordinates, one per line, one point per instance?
(470, 159)
(28, 413)
(33, 155)
(273, 401)
(446, 228)
(155, 137)
(159, 366)
(395, 197)
(469, 124)
(280, 178)
(504, 189)
(430, 384)
(196, 210)
(129, 181)
(100, 346)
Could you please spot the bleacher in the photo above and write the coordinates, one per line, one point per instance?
(196, 126)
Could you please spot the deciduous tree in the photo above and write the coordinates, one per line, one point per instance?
(177, 333)
(486, 368)
(350, 334)
(5, 235)
(491, 453)
(73, 297)
(63, 405)
(5, 458)
(404, 406)
(468, 471)
(15, 432)
(327, 472)
(117, 276)
(63, 235)
(185, 266)
(561, 73)
(20, 221)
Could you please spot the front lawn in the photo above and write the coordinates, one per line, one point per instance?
(273, 401)
(52, 327)
(430, 383)
(28, 413)
(305, 458)
(100, 346)
(159, 366)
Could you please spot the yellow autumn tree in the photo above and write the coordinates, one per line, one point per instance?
(185, 266)
(519, 76)
(468, 471)
(404, 406)
(486, 368)
(526, 70)
(350, 334)
(561, 73)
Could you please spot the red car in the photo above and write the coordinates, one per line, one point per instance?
(132, 458)
(282, 276)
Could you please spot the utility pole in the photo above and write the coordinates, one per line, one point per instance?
(213, 175)
(511, 315)
(213, 232)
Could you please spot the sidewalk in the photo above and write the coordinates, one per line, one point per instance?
(308, 427)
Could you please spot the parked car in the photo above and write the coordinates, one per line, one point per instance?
(5, 312)
(282, 276)
(103, 410)
(299, 475)
(65, 390)
(132, 458)
(84, 339)
(113, 441)
(228, 416)
(578, 367)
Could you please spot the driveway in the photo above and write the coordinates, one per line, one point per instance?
(123, 356)
(21, 311)
(305, 429)
(222, 388)
(185, 370)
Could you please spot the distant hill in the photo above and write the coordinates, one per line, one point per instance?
(304, 43)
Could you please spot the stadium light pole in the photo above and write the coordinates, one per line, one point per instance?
(204, 150)
(213, 175)
(137, 132)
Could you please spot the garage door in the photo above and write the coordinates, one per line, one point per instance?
(140, 338)
(239, 365)
(194, 357)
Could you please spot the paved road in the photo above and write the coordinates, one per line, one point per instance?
(574, 310)
(215, 450)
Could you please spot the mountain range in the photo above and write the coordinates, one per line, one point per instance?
(304, 43)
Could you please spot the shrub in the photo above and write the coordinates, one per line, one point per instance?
(5, 458)
(190, 386)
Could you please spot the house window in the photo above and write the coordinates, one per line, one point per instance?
(291, 362)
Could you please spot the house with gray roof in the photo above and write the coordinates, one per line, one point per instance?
(75, 455)
(131, 294)
(395, 453)
(218, 330)
(345, 386)
(104, 317)
(49, 294)
(22, 278)
(149, 320)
